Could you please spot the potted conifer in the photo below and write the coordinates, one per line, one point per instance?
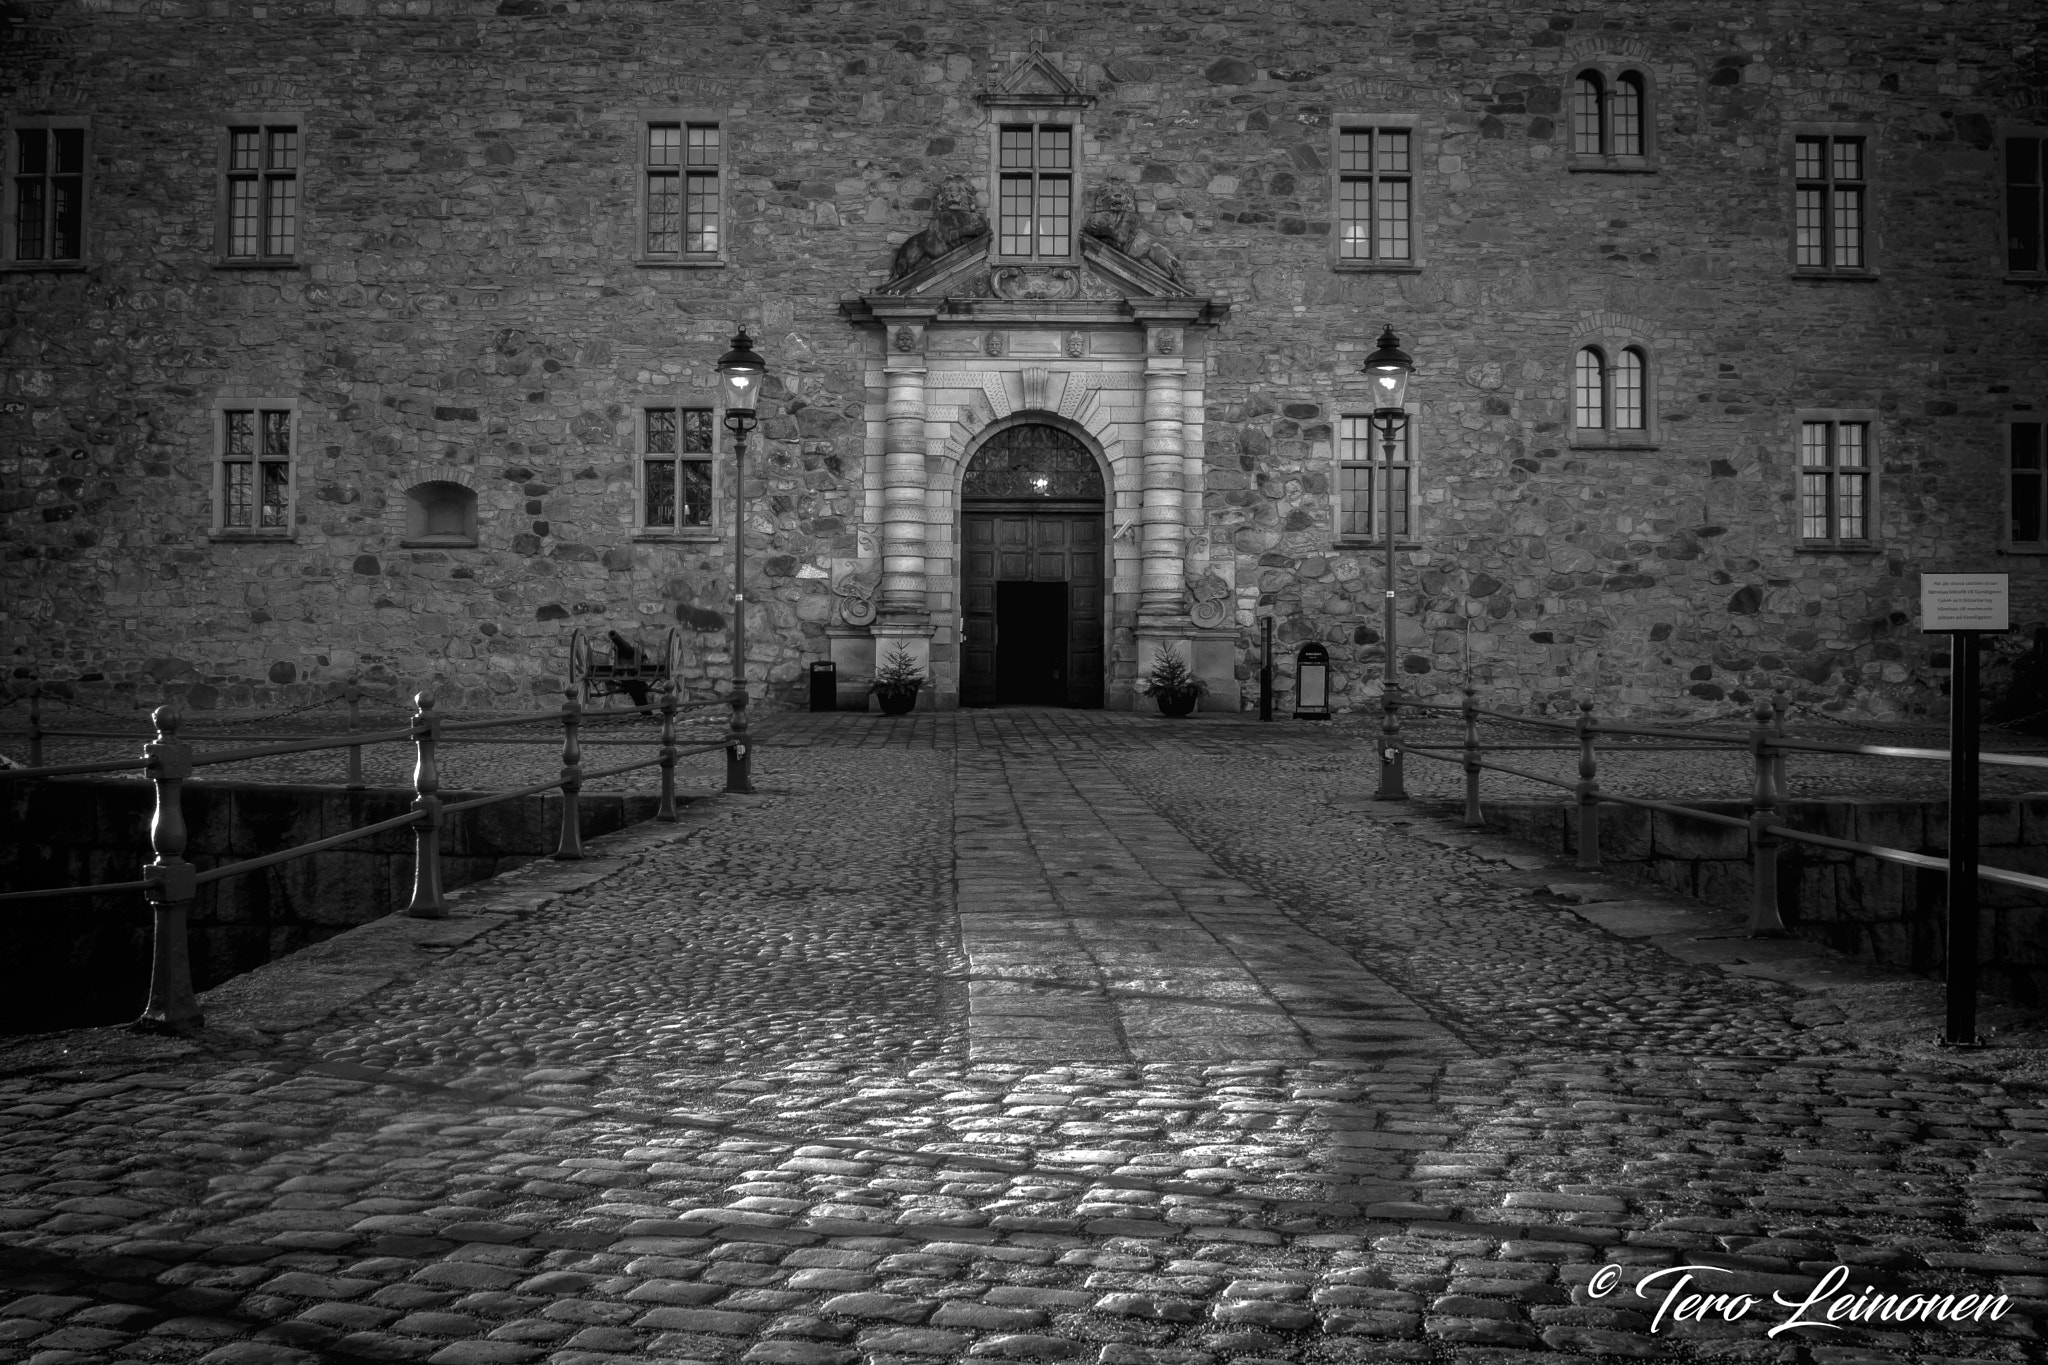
(896, 682)
(1172, 684)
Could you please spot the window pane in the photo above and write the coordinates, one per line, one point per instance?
(32, 152)
(1055, 149)
(1848, 227)
(1354, 219)
(1586, 115)
(2027, 481)
(661, 493)
(1851, 506)
(1628, 390)
(244, 150)
(1393, 151)
(1353, 437)
(241, 434)
(1626, 117)
(695, 491)
(70, 151)
(276, 488)
(29, 208)
(700, 225)
(1354, 150)
(245, 218)
(1390, 212)
(1588, 409)
(284, 216)
(284, 149)
(1813, 444)
(661, 431)
(1398, 492)
(1849, 448)
(703, 144)
(1848, 160)
(1014, 215)
(696, 430)
(1015, 153)
(2023, 202)
(1807, 157)
(1354, 482)
(67, 203)
(664, 144)
(664, 213)
(277, 435)
(1813, 506)
(237, 504)
(1808, 239)
(1054, 222)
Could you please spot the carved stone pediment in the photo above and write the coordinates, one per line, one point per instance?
(1036, 81)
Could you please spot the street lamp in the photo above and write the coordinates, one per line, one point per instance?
(1389, 368)
(740, 371)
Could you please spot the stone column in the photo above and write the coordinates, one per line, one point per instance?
(902, 595)
(1161, 596)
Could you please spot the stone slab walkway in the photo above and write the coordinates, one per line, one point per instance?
(1033, 1036)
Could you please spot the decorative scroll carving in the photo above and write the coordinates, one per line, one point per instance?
(1034, 282)
(1211, 600)
(1113, 217)
(855, 588)
(956, 220)
(1032, 461)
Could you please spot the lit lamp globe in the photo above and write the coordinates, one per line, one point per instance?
(742, 371)
(1389, 368)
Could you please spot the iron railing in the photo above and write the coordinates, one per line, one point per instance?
(170, 882)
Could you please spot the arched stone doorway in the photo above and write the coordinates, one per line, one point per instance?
(1032, 570)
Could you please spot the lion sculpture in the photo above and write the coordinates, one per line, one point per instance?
(955, 221)
(1114, 219)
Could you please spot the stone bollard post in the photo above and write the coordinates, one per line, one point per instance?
(1764, 918)
(353, 694)
(427, 900)
(172, 1007)
(35, 724)
(739, 754)
(1472, 812)
(666, 813)
(1779, 706)
(570, 846)
(1588, 791)
(1390, 788)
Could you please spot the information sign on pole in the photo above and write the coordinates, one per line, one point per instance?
(1963, 601)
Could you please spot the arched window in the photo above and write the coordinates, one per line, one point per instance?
(1625, 115)
(1587, 97)
(1611, 119)
(1611, 398)
(440, 513)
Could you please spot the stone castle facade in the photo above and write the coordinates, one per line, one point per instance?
(356, 338)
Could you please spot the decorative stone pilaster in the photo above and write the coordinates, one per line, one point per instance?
(902, 596)
(1163, 543)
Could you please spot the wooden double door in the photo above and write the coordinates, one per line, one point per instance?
(1031, 626)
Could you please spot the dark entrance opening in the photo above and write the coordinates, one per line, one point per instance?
(1031, 643)
(1032, 562)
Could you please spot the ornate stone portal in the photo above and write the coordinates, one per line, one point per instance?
(1107, 347)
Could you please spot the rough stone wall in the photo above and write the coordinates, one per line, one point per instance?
(468, 300)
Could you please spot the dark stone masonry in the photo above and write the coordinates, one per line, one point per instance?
(363, 339)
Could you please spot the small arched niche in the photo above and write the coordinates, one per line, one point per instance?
(440, 514)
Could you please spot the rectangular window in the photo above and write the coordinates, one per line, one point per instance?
(1374, 203)
(1835, 504)
(682, 205)
(1366, 477)
(675, 462)
(2026, 244)
(2028, 489)
(45, 213)
(262, 192)
(256, 469)
(1828, 203)
(1035, 189)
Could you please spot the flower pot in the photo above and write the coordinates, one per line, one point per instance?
(1177, 703)
(896, 701)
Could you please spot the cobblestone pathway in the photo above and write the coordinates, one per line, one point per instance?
(1029, 1036)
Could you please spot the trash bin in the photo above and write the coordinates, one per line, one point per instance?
(824, 685)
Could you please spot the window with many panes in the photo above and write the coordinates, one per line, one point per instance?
(254, 480)
(1370, 477)
(2026, 202)
(1609, 117)
(1375, 195)
(1034, 189)
(676, 450)
(260, 199)
(682, 207)
(1611, 395)
(1830, 202)
(1837, 483)
(2027, 485)
(45, 192)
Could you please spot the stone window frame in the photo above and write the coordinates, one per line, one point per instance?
(2037, 132)
(1870, 238)
(2007, 446)
(223, 233)
(643, 169)
(1611, 70)
(1037, 116)
(1422, 146)
(716, 527)
(10, 191)
(1868, 543)
(259, 401)
(1608, 343)
(1413, 463)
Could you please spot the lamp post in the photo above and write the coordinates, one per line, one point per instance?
(741, 371)
(1389, 368)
